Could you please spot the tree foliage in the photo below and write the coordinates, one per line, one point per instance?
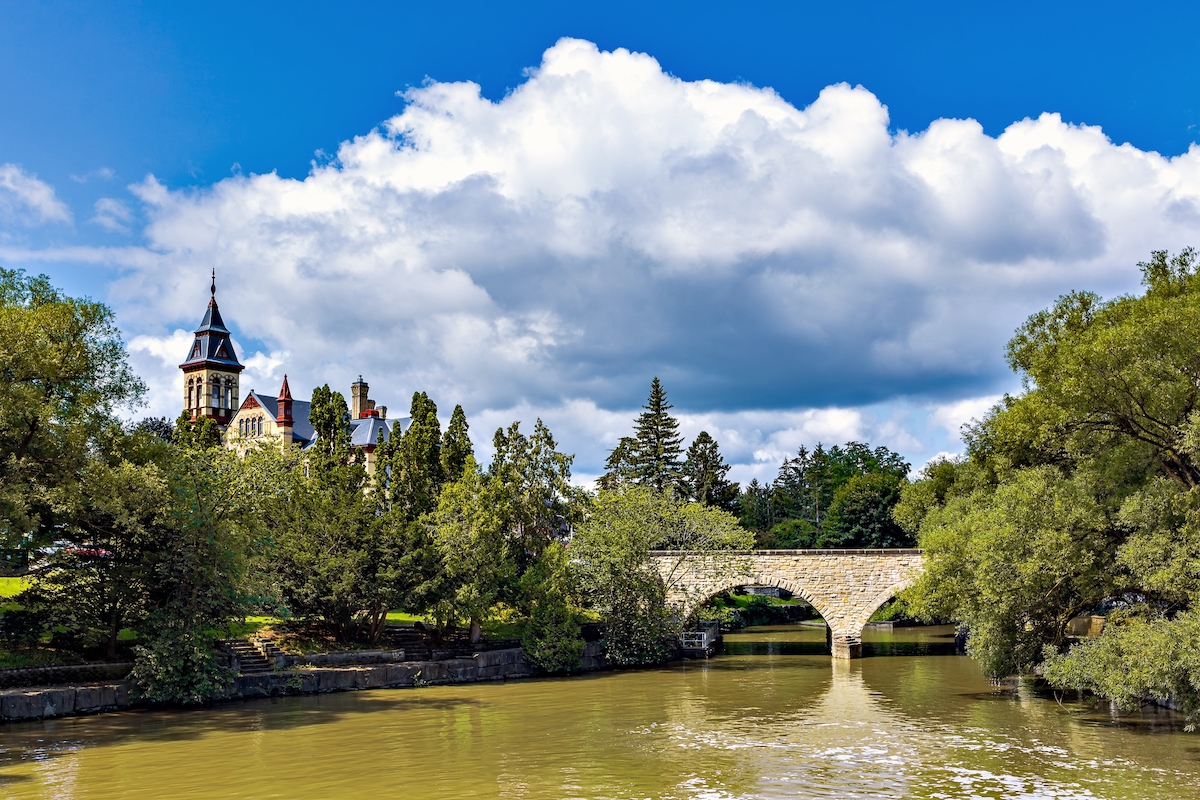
(704, 474)
(1080, 495)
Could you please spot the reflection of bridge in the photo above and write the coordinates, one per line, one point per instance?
(844, 586)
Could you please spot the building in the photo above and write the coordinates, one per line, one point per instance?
(211, 377)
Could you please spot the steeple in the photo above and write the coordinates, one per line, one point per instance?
(284, 407)
(210, 373)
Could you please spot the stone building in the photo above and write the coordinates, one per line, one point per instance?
(211, 377)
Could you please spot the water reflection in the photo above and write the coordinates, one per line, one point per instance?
(773, 717)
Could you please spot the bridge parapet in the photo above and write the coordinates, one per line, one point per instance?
(845, 586)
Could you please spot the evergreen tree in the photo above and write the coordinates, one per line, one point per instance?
(330, 418)
(619, 466)
(656, 459)
(416, 468)
(456, 445)
(704, 473)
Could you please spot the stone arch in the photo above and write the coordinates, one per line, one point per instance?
(756, 579)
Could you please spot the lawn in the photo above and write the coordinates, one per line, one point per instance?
(11, 587)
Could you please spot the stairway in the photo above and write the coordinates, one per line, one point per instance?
(251, 661)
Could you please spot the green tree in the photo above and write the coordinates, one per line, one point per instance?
(536, 479)
(334, 556)
(330, 417)
(469, 532)
(64, 377)
(656, 455)
(456, 445)
(1078, 495)
(861, 513)
(705, 472)
(552, 640)
(620, 468)
(415, 461)
(621, 581)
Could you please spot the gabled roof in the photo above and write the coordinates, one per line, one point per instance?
(302, 429)
(364, 432)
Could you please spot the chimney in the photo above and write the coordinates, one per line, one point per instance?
(358, 398)
(382, 412)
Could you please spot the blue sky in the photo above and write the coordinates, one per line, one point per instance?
(602, 216)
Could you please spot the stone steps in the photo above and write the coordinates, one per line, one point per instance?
(250, 660)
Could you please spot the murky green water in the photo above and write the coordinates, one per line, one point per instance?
(771, 718)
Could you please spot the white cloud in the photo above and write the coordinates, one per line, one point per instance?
(788, 272)
(103, 173)
(28, 201)
(112, 215)
(953, 416)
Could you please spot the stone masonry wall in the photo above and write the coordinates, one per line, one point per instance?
(845, 586)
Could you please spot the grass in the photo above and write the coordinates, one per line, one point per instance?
(11, 587)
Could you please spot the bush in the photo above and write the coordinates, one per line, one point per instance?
(179, 666)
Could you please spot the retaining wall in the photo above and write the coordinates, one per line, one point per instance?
(27, 704)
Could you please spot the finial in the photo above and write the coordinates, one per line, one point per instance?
(213, 289)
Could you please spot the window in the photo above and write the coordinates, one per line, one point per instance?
(190, 404)
(260, 426)
(228, 395)
(216, 395)
(241, 427)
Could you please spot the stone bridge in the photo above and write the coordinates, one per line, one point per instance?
(845, 586)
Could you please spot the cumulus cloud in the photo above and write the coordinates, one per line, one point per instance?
(28, 201)
(785, 270)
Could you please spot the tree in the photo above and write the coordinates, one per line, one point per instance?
(414, 461)
(536, 480)
(621, 582)
(704, 474)
(334, 556)
(861, 513)
(64, 377)
(456, 445)
(199, 554)
(469, 532)
(620, 468)
(1079, 495)
(552, 640)
(658, 445)
(330, 418)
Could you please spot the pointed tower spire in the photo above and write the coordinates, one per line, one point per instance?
(283, 413)
(210, 371)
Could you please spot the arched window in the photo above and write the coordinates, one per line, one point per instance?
(190, 399)
(228, 394)
(241, 427)
(216, 394)
(260, 426)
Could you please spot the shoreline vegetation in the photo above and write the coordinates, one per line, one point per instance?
(152, 543)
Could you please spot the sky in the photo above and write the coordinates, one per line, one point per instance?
(814, 222)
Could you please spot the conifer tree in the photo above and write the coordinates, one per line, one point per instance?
(456, 445)
(656, 454)
(416, 462)
(704, 473)
(330, 418)
(619, 466)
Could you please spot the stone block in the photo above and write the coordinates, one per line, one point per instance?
(15, 705)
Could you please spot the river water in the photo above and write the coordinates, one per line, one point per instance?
(772, 717)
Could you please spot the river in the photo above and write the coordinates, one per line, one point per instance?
(771, 717)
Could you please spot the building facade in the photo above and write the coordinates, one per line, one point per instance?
(211, 378)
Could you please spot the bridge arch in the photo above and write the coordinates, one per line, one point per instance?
(845, 586)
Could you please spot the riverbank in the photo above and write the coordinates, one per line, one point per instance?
(33, 703)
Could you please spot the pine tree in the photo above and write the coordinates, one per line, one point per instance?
(456, 445)
(658, 448)
(704, 474)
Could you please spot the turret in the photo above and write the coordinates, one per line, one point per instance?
(211, 371)
(283, 413)
(358, 398)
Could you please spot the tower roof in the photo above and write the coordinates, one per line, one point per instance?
(212, 345)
